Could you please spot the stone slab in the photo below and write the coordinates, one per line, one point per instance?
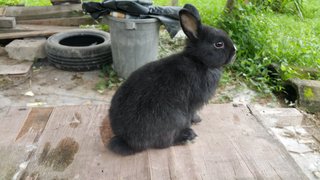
(278, 117)
(27, 49)
(308, 94)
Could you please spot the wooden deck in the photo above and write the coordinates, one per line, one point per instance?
(65, 143)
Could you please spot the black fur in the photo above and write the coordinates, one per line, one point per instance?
(155, 106)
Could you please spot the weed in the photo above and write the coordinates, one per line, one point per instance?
(108, 79)
(102, 27)
(264, 37)
(281, 6)
(168, 46)
(9, 2)
(36, 2)
(209, 10)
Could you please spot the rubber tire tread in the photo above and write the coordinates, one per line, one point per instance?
(79, 58)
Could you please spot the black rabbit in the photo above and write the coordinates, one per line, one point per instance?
(156, 105)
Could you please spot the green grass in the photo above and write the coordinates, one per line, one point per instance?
(9, 2)
(295, 42)
(269, 32)
(36, 2)
(209, 10)
(264, 36)
(25, 2)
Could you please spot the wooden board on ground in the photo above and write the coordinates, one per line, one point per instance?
(24, 30)
(69, 21)
(10, 66)
(13, 72)
(7, 22)
(31, 12)
(20, 129)
(231, 144)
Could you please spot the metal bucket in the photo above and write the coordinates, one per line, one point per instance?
(134, 43)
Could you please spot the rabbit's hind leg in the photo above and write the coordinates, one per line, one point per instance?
(118, 145)
(165, 140)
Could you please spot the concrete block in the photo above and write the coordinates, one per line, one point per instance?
(278, 117)
(308, 94)
(7, 22)
(27, 49)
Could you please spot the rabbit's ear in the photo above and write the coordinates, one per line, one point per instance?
(193, 10)
(190, 22)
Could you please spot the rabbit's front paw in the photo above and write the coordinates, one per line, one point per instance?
(185, 135)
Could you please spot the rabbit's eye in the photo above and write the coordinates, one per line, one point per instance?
(218, 45)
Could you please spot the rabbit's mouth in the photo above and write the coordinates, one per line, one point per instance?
(233, 56)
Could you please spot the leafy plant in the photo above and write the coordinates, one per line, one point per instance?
(108, 79)
(264, 38)
(37, 3)
(102, 27)
(9, 2)
(268, 32)
(25, 2)
(209, 10)
(281, 6)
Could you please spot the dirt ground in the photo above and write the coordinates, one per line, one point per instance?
(49, 86)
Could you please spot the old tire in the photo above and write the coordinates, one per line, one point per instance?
(79, 50)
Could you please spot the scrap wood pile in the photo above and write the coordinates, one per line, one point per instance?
(20, 21)
(27, 28)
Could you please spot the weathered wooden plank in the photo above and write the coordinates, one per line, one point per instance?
(2, 11)
(254, 148)
(69, 21)
(13, 72)
(12, 120)
(20, 128)
(58, 2)
(35, 123)
(16, 35)
(58, 14)
(71, 146)
(231, 145)
(7, 22)
(16, 11)
(23, 31)
(10, 66)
